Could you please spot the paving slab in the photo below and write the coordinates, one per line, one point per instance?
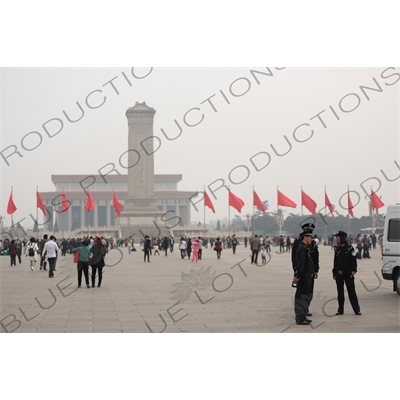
(140, 297)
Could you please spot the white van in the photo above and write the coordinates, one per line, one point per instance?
(391, 247)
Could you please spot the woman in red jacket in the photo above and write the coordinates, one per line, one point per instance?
(218, 248)
(12, 251)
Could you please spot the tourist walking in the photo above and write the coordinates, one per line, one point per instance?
(96, 260)
(189, 248)
(83, 262)
(365, 243)
(31, 250)
(255, 247)
(147, 248)
(182, 248)
(196, 245)
(165, 245)
(50, 250)
(218, 248)
(235, 242)
(12, 251)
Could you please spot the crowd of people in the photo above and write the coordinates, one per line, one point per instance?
(91, 252)
(46, 251)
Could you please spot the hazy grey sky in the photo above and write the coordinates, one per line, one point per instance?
(347, 152)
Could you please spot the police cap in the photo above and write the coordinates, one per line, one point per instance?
(306, 233)
(308, 226)
(341, 233)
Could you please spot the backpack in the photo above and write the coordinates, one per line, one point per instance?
(31, 252)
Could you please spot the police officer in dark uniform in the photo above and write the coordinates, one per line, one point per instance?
(344, 269)
(304, 274)
(309, 227)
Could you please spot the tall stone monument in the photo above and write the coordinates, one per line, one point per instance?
(141, 215)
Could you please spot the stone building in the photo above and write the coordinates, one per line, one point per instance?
(168, 198)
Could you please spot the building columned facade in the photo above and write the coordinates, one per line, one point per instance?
(104, 215)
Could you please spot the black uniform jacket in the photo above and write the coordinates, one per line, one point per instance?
(304, 263)
(313, 252)
(344, 260)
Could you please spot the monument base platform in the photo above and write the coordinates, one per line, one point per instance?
(153, 224)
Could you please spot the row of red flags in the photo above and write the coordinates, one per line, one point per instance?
(233, 201)
(89, 206)
(284, 201)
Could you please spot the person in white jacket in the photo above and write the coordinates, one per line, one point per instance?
(31, 251)
(51, 250)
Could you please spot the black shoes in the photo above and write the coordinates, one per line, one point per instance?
(339, 313)
(98, 285)
(303, 322)
(88, 286)
(358, 313)
(308, 314)
(308, 320)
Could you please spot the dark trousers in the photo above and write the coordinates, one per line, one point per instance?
(200, 253)
(97, 268)
(234, 248)
(281, 248)
(19, 257)
(183, 252)
(188, 253)
(351, 290)
(52, 265)
(311, 294)
(366, 253)
(218, 254)
(359, 253)
(146, 254)
(43, 262)
(254, 256)
(83, 267)
(12, 259)
(302, 298)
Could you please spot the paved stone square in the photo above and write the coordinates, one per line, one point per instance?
(174, 295)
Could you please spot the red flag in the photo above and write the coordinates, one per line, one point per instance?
(11, 206)
(40, 204)
(376, 201)
(257, 202)
(308, 202)
(235, 202)
(64, 202)
(350, 205)
(285, 201)
(328, 203)
(117, 205)
(89, 206)
(208, 202)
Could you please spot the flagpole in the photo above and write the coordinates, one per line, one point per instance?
(62, 220)
(326, 225)
(301, 187)
(12, 219)
(229, 215)
(37, 212)
(204, 218)
(253, 214)
(348, 211)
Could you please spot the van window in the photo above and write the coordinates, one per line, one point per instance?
(394, 230)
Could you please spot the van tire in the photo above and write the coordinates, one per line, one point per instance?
(397, 283)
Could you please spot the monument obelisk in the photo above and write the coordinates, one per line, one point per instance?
(141, 215)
